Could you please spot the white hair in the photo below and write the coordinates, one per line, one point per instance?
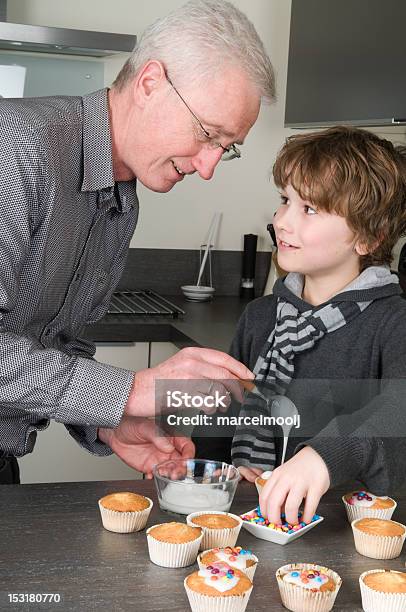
(199, 39)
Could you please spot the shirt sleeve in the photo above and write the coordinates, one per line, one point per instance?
(44, 382)
(368, 444)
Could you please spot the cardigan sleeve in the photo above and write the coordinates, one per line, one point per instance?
(370, 444)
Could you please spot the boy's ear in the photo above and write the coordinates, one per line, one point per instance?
(361, 248)
(364, 249)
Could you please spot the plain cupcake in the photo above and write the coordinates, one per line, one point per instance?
(378, 538)
(305, 587)
(362, 504)
(124, 512)
(218, 588)
(235, 556)
(383, 591)
(220, 529)
(260, 481)
(173, 544)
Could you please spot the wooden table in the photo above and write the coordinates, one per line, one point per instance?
(52, 541)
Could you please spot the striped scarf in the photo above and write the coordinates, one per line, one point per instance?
(296, 330)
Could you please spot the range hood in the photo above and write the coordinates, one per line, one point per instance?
(41, 39)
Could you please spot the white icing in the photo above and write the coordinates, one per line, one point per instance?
(222, 584)
(314, 583)
(266, 475)
(188, 498)
(239, 563)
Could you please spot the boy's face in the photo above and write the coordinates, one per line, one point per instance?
(315, 243)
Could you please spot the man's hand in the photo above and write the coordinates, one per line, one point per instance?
(137, 442)
(250, 473)
(195, 364)
(304, 477)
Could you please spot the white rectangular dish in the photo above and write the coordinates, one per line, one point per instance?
(278, 537)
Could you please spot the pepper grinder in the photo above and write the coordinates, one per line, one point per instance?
(247, 289)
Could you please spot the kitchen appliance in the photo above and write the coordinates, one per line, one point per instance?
(346, 63)
(63, 41)
(143, 303)
(247, 289)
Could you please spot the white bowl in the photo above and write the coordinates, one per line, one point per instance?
(197, 294)
(191, 485)
(278, 537)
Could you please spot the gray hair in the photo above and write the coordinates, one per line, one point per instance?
(198, 39)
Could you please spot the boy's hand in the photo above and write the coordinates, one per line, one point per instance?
(250, 473)
(304, 477)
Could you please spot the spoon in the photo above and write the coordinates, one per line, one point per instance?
(283, 407)
(280, 406)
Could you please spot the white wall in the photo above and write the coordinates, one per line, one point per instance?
(241, 189)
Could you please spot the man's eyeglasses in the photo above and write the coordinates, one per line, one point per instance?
(231, 152)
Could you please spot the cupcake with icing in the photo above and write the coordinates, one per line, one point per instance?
(220, 529)
(260, 481)
(378, 538)
(124, 512)
(383, 591)
(218, 588)
(362, 504)
(173, 544)
(235, 556)
(305, 587)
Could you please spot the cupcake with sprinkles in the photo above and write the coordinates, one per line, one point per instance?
(218, 587)
(305, 587)
(362, 504)
(235, 556)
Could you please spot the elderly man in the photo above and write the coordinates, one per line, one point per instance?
(185, 99)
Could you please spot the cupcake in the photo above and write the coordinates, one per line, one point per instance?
(361, 504)
(124, 512)
(218, 588)
(378, 538)
(260, 481)
(383, 591)
(236, 557)
(220, 529)
(305, 587)
(173, 544)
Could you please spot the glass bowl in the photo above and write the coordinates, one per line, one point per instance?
(189, 485)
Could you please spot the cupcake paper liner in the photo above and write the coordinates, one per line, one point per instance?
(168, 554)
(378, 547)
(357, 512)
(258, 486)
(248, 571)
(125, 522)
(377, 601)
(297, 599)
(206, 603)
(216, 538)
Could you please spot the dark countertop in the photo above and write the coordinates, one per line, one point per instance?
(52, 541)
(209, 324)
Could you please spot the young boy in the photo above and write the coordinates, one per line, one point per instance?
(332, 337)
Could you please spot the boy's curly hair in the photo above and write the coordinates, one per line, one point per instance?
(355, 174)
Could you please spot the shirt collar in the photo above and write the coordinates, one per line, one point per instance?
(97, 146)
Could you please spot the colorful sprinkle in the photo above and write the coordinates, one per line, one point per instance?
(284, 527)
